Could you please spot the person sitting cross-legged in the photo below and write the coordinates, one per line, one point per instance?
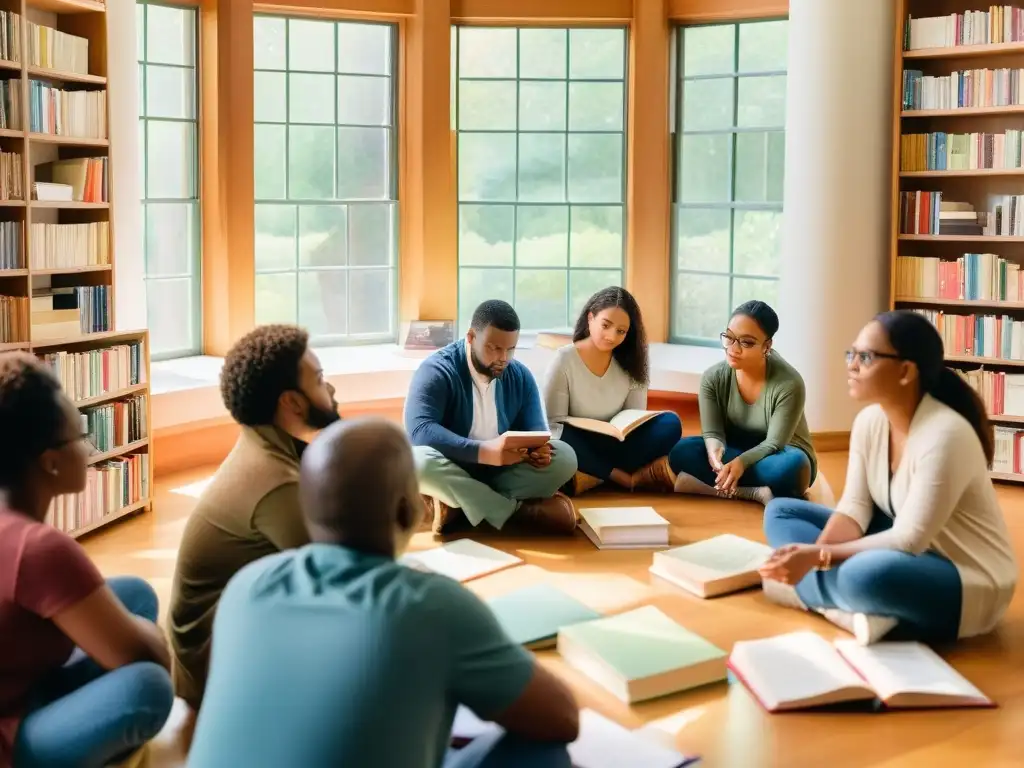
(337, 655)
(461, 402)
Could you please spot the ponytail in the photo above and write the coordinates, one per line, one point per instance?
(950, 389)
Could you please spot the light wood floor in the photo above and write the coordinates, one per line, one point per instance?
(722, 723)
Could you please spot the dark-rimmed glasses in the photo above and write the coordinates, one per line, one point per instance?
(728, 340)
(867, 357)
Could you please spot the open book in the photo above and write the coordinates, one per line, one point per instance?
(462, 560)
(802, 670)
(619, 427)
(713, 567)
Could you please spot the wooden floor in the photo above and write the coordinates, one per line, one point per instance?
(721, 723)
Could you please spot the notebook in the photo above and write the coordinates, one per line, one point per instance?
(462, 560)
(603, 743)
(619, 426)
(802, 670)
(533, 615)
(641, 654)
(713, 567)
(624, 527)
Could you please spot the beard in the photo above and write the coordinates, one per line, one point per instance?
(495, 371)
(321, 418)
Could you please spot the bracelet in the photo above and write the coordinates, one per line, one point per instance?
(824, 559)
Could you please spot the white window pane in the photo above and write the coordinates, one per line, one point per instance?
(323, 235)
(311, 45)
(370, 310)
(323, 302)
(485, 52)
(486, 234)
(310, 98)
(477, 286)
(595, 168)
(171, 153)
(371, 234)
(702, 305)
(364, 171)
(708, 105)
(310, 162)
(702, 239)
(764, 46)
(170, 315)
(170, 92)
(706, 168)
(542, 53)
(275, 298)
(487, 166)
(140, 32)
(274, 237)
(596, 236)
(542, 298)
(487, 105)
(541, 167)
(271, 106)
(761, 102)
(760, 167)
(171, 35)
(364, 100)
(757, 242)
(268, 43)
(597, 54)
(584, 283)
(364, 49)
(596, 106)
(709, 50)
(542, 236)
(745, 289)
(270, 157)
(542, 106)
(172, 235)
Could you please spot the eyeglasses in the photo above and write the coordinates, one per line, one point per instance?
(867, 357)
(728, 340)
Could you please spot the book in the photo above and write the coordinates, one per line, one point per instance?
(533, 615)
(514, 440)
(462, 560)
(802, 670)
(620, 425)
(715, 566)
(624, 527)
(603, 743)
(641, 654)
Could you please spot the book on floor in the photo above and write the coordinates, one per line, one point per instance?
(514, 440)
(641, 654)
(533, 615)
(603, 743)
(462, 560)
(624, 527)
(619, 426)
(713, 567)
(802, 670)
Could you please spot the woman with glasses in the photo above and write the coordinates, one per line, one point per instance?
(917, 546)
(83, 666)
(755, 444)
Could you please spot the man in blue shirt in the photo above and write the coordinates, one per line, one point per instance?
(336, 655)
(461, 402)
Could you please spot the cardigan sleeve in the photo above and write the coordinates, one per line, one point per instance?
(636, 399)
(425, 406)
(556, 394)
(712, 410)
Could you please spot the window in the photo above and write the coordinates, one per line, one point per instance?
(326, 218)
(540, 118)
(169, 167)
(730, 152)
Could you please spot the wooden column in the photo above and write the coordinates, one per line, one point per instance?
(648, 191)
(428, 235)
(229, 292)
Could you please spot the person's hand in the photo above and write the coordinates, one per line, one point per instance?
(540, 457)
(728, 476)
(495, 454)
(791, 563)
(715, 457)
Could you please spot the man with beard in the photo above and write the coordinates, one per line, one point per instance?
(273, 386)
(462, 401)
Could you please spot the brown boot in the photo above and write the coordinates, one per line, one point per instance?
(439, 517)
(556, 515)
(656, 476)
(582, 482)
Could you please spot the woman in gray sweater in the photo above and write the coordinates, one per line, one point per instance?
(602, 373)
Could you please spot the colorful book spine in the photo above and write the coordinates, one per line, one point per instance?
(966, 88)
(919, 212)
(990, 336)
(116, 424)
(999, 24)
(98, 372)
(81, 114)
(960, 151)
(109, 488)
(972, 277)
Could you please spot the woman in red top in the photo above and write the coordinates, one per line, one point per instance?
(83, 666)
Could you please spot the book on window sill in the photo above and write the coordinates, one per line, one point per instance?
(620, 425)
(712, 567)
(802, 670)
(514, 440)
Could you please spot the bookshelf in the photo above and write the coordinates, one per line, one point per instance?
(57, 264)
(957, 250)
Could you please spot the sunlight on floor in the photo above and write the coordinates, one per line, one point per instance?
(193, 490)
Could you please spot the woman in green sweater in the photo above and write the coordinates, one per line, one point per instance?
(755, 444)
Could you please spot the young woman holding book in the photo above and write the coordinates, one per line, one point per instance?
(83, 667)
(601, 375)
(917, 546)
(755, 444)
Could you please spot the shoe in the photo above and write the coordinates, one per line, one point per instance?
(439, 516)
(582, 482)
(656, 476)
(556, 515)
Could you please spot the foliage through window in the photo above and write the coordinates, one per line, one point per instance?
(540, 118)
(169, 166)
(730, 153)
(326, 210)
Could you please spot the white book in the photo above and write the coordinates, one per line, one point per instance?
(619, 426)
(462, 560)
(712, 567)
(624, 527)
(603, 743)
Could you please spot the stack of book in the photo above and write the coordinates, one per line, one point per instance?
(97, 371)
(964, 88)
(960, 151)
(110, 487)
(117, 424)
(973, 277)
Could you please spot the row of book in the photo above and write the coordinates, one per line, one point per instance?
(13, 319)
(960, 151)
(53, 49)
(1008, 451)
(10, 245)
(116, 424)
(1002, 393)
(997, 337)
(81, 114)
(10, 104)
(59, 313)
(82, 179)
(999, 24)
(924, 212)
(12, 183)
(10, 36)
(966, 88)
(109, 487)
(58, 246)
(97, 372)
(972, 277)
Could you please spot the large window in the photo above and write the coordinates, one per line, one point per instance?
(326, 218)
(170, 176)
(540, 115)
(730, 153)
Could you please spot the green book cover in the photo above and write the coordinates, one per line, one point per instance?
(536, 613)
(642, 643)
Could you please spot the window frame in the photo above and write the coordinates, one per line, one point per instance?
(679, 80)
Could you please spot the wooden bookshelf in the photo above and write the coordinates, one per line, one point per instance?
(66, 262)
(977, 184)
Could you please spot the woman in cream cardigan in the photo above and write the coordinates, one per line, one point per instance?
(917, 547)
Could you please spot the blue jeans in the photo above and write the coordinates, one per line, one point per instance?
(502, 750)
(923, 592)
(786, 473)
(84, 716)
(597, 455)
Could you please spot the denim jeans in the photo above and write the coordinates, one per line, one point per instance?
(923, 592)
(786, 473)
(84, 716)
(597, 455)
(498, 749)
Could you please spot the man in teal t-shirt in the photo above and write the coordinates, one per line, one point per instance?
(336, 655)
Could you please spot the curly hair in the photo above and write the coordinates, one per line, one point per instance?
(258, 369)
(631, 354)
(31, 417)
